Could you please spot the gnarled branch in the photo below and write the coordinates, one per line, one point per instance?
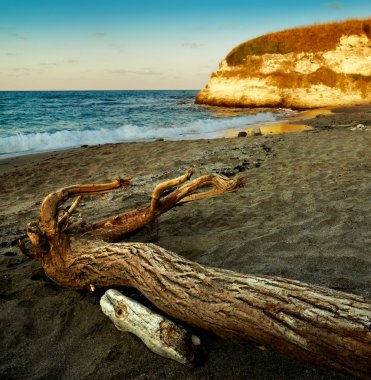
(49, 207)
(115, 228)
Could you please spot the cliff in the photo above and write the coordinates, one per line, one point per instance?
(308, 67)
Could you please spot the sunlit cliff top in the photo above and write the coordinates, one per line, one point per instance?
(318, 37)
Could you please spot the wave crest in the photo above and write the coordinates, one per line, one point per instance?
(45, 141)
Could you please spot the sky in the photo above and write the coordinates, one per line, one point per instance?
(140, 44)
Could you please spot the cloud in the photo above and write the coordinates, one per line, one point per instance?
(192, 45)
(22, 71)
(49, 64)
(10, 32)
(118, 47)
(135, 72)
(120, 72)
(19, 36)
(100, 34)
(335, 5)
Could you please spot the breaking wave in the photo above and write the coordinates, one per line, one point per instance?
(21, 143)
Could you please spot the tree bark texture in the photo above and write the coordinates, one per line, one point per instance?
(310, 323)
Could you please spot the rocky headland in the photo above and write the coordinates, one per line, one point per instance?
(323, 65)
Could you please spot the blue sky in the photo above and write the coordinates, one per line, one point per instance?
(117, 44)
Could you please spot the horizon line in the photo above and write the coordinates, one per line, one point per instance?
(70, 90)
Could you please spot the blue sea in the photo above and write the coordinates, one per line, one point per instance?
(51, 120)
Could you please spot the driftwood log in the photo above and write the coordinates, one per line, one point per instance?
(308, 322)
(158, 333)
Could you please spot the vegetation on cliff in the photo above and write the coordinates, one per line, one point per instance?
(319, 37)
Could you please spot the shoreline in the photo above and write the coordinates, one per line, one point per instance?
(287, 125)
(314, 119)
(291, 124)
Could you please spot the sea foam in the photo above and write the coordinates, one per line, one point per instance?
(21, 143)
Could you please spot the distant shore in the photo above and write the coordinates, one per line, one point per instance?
(304, 214)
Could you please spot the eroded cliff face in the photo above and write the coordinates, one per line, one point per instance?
(298, 79)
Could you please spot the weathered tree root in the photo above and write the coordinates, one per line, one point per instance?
(308, 322)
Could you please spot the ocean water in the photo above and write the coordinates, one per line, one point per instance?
(52, 120)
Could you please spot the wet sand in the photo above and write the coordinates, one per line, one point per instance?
(304, 214)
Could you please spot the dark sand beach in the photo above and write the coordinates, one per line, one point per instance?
(304, 214)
